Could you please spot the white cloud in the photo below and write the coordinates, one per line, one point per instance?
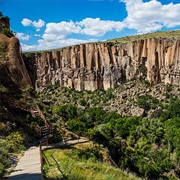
(55, 34)
(38, 29)
(22, 36)
(141, 16)
(61, 43)
(151, 16)
(26, 22)
(60, 30)
(37, 24)
(37, 35)
(88, 26)
(98, 27)
(26, 47)
(51, 37)
(63, 27)
(44, 45)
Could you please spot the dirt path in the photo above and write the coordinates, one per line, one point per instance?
(28, 167)
(67, 143)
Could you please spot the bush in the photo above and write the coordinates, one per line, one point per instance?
(89, 153)
(7, 32)
(147, 102)
(169, 88)
(67, 111)
(2, 170)
(76, 126)
(30, 90)
(14, 142)
(173, 109)
(4, 163)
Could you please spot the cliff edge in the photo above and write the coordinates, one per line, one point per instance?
(94, 66)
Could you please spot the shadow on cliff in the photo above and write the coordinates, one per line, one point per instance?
(6, 80)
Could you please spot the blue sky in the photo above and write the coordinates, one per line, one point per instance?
(48, 24)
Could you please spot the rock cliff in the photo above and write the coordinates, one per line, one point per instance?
(104, 65)
(12, 68)
(4, 22)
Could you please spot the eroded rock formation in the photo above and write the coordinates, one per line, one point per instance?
(4, 21)
(101, 65)
(12, 69)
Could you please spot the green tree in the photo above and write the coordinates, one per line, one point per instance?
(173, 110)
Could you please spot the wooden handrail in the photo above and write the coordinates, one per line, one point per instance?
(41, 160)
(42, 116)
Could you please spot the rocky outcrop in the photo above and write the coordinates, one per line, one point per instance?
(12, 69)
(103, 65)
(4, 22)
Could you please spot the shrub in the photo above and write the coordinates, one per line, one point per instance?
(173, 109)
(169, 88)
(14, 142)
(76, 126)
(67, 111)
(7, 32)
(30, 90)
(4, 163)
(88, 153)
(147, 102)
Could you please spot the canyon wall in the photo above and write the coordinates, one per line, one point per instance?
(104, 65)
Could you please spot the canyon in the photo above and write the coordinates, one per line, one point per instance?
(104, 65)
(136, 112)
(92, 66)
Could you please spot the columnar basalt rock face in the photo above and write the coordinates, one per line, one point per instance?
(12, 68)
(101, 65)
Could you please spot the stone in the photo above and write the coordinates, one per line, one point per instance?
(137, 111)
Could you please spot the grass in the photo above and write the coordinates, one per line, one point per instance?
(64, 164)
(158, 34)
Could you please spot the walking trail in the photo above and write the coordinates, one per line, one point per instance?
(29, 166)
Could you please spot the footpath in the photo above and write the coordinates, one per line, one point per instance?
(29, 166)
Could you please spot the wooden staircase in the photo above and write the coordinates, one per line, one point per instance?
(12, 103)
(46, 131)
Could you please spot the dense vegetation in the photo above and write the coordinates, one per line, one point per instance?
(148, 146)
(16, 127)
(9, 147)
